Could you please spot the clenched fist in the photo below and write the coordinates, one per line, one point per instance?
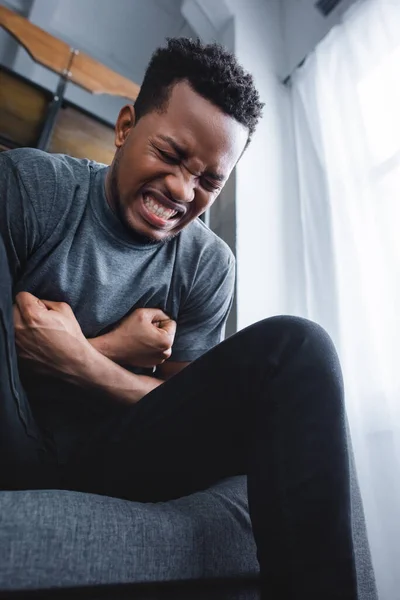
(48, 335)
(142, 339)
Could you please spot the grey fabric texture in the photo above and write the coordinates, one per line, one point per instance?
(365, 573)
(65, 244)
(60, 538)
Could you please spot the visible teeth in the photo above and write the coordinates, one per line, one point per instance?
(158, 209)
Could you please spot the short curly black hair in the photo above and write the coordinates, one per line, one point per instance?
(211, 71)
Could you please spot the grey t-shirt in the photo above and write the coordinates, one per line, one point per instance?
(65, 244)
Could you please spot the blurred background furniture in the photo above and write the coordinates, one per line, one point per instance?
(31, 115)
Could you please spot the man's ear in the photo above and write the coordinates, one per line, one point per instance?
(126, 120)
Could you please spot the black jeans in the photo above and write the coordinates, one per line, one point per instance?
(267, 402)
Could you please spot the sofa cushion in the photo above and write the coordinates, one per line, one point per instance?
(61, 538)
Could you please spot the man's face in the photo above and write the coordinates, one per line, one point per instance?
(170, 166)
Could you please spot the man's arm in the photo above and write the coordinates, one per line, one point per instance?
(48, 335)
(143, 339)
(140, 339)
(112, 351)
(21, 224)
(99, 372)
(170, 368)
(112, 348)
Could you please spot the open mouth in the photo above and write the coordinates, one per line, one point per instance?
(157, 209)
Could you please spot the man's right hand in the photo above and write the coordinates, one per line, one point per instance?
(142, 339)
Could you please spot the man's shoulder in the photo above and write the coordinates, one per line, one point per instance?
(49, 185)
(31, 162)
(203, 245)
(50, 182)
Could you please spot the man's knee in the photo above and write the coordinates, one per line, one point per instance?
(298, 327)
(283, 332)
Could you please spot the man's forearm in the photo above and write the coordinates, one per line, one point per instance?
(104, 345)
(99, 372)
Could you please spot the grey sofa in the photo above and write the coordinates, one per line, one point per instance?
(60, 538)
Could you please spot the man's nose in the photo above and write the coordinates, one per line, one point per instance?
(181, 186)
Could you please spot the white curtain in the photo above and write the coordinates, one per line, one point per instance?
(346, 102)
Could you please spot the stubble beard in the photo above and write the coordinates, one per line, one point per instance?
(119, 211)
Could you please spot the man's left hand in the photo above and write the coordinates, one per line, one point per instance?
(48, 335)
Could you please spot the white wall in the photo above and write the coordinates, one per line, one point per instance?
(121, 34)
(304, 27)
(269, 262)
(271, 38)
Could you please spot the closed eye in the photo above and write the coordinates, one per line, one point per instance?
(169, 158)
(209, 186)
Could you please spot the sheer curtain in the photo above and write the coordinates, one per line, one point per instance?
(346, 102)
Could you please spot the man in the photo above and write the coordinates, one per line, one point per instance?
(107, 273)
